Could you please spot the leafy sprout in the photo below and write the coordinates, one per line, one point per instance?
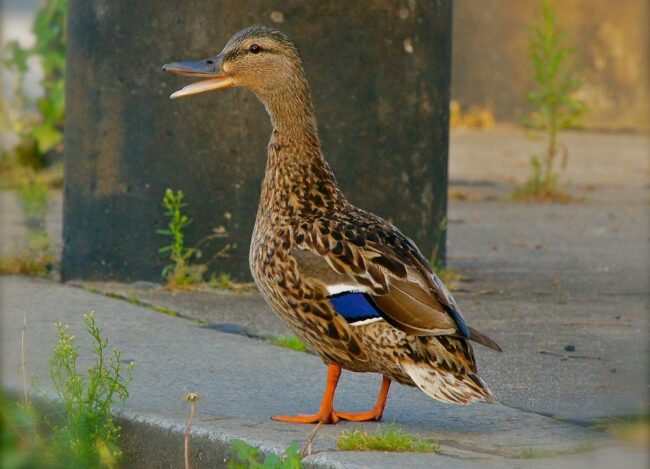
(553, 99)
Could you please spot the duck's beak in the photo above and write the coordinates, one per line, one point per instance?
(210, 68)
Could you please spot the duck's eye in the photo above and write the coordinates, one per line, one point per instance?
(255, 49)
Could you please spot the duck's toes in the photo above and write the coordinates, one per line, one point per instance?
(371, 416)
(324, 418)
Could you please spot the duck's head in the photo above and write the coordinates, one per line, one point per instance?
(262, 59)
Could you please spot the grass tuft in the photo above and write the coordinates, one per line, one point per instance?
(34, 257)
(224, 281)
(450, 277)
(534, 453)
(391, 439)
(290, 341)
(633, 430)
(475, 117)
(28, 263)
(15, 176)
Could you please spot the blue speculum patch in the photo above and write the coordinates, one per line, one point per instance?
(355, 306)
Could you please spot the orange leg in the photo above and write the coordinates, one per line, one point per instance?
(326, 414)
(377, 410)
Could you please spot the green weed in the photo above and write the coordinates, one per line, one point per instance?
(450, 277)
(224, 281)
(36, 258)
(84, 435)
(290, 341)
(19, 439)
(14, 177)
(42, 131)
(555, 105)
(34, 197)
(476, 117)
(28, 263)
(89, 436)
(181, 272)
(533, 453)
(391, 439)
(246, 456)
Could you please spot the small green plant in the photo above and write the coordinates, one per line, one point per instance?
(554, 101)
(34, 197)
(36, 258)
(289, 341)
(224, 281)
(246, 456)
(181, 272)
(18, 436)
(391, 439)
(39, 132)
(84, 435)
(89, 436)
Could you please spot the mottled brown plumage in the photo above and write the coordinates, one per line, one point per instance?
(310, 245)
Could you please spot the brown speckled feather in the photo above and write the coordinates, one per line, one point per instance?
(373, 256)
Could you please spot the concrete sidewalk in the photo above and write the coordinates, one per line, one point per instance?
(243, 382)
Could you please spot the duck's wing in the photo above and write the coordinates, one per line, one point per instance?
(371, 269)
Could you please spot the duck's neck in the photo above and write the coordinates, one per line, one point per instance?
(292, 113)
(298, 180)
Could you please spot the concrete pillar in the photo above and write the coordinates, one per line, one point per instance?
(379, 73)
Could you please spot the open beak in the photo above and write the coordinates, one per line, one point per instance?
(208, 68)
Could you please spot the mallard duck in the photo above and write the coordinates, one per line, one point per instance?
(349, 284)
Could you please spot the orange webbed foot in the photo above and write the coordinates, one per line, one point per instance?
(327, 415)
(324, 418)
(377, 411)
(371, 416)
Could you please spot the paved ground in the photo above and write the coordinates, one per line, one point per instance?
(604, 165)
(539, 278)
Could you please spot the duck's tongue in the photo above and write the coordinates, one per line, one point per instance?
(208, 68)
(203, 86)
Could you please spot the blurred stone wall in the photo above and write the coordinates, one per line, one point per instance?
(491, 68)
(380, 80)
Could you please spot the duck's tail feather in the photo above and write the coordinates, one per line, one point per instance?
(449, 387)
(444, 368)
(482, 339)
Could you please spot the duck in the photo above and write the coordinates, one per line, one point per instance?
(348, 283)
